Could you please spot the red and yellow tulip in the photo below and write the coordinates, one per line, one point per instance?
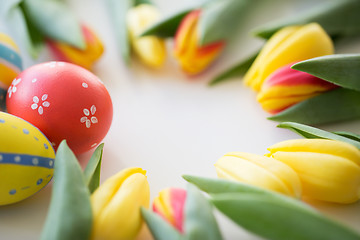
(290, 44)
(170, 205)
(286, 87)
(82, 57)
(192, 57)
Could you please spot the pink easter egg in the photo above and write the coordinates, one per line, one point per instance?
(64, 101)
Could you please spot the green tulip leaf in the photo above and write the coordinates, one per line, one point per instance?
(16, 20)
(236, 71)
(200, 222)
(333, 106)
(118, 10)
(312, 132)
(220, 19)
(138, 2)
(54, 20)
(280, 219)
(92, 170)
(69, 215)
(338, 18)
(166, 27)
(160, 229)
(216, 186)
(340, 69)
(353, 136)
(8, 5)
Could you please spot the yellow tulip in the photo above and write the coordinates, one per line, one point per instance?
(192, 57)
(116, 205)
(151, 50)
(260, 171)
(82, 57)
(290, 44)
(329, 170)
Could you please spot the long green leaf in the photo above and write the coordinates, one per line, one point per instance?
(166, 27)
(236, 71)
(6, 6)
(311, 132)
(280, 219)
(118, 10)
(216, 186)
(160, 229)
(340, 69)
(338, 18)
(138, 2)
(55, 20)
(220, 19)
(69, 215)
(92, 170)
(200, 222)
(334, 106)
(16, 20)
(353, 136)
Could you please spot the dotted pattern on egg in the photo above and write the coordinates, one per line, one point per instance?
(21, 174)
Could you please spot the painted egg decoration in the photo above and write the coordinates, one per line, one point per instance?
(64, 101)
(26, 159)
(10, 65)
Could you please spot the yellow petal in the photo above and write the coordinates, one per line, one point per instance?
(324, 176)
(116, 205)
(260, 171)
(151, 50)
(291, 44)
(325, 146)
(163, 205)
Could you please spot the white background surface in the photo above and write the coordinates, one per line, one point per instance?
(171, 124)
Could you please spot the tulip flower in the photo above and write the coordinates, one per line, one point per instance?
(192, 57)
(290, 44)
(82, 57)
(260, 171)
(329, 170)
(116, 205)
(170, 205)
(150, 50)
(286, 87)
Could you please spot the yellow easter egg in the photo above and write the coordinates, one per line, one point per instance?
(10, 65)
(26, 159)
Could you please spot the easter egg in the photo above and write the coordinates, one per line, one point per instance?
(10, 65)
(64, 101)
(26, 159)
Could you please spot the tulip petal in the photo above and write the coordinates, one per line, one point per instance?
(150, 49)
(291, 44)
(117, 203)
(325, 146)
(324, 176)
(260, 171)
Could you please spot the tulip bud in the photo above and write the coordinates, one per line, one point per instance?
(329, 170)
(260, 171)
(290, 44)
(170, 205)
(192, 57)
(151, 50)
(286, 87)
(116, 205)
(82, 57)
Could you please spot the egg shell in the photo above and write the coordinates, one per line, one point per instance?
(26, 159)
(10, 65)
(64, 101)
